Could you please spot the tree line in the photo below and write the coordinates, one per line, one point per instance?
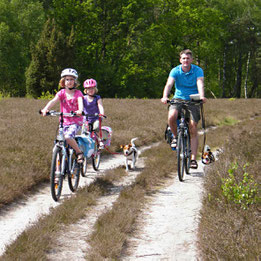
(129, 46)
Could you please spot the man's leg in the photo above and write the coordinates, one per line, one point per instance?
(194, 139)
(172, 121)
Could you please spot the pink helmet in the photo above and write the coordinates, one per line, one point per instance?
(89, 83)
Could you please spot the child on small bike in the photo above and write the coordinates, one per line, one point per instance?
(70, 100)
(92, 103)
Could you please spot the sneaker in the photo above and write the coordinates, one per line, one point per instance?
(173, 143)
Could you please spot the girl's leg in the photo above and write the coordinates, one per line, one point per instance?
(74, 145)
(69, 133)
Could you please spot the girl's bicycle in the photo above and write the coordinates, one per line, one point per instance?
(183, 138)
(91, 142)
(64, 161)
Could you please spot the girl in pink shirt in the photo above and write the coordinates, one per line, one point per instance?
(70, 100)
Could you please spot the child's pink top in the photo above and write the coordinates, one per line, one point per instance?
(70, 105)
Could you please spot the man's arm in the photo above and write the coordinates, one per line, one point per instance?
(200, 85)
(167, 89)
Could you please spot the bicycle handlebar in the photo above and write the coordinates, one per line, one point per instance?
(94, 115)
(57, 113)
(72, 114)
(185, 101)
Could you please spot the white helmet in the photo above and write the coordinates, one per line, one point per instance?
(69, 72)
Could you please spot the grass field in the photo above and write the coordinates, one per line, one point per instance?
(26, 155)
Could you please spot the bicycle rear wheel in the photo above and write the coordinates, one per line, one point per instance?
(187, 153)
(96, 158)
(74, 175)
(181, 156)
(56, 176)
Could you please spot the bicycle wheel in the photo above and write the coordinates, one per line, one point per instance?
(56, 176)
(75, 169)
(84, 169)
(187, 152)
(96, 158)
(181, 156)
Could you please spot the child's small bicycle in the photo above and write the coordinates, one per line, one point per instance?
(64, 161)
(91, 143)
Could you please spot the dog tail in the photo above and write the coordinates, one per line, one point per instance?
(132, 141)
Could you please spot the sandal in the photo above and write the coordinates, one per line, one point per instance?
(80, 157)
(173, 143)
(193, 164)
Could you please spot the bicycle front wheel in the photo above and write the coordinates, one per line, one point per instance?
(96, 158)
(74, 173)
(187, 153)
(56, 176)
(181, 157)
(85, 167)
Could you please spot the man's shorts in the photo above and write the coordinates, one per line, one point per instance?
(70, 131)
(192, 110)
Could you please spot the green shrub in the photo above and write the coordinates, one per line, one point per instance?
(46, 96)
(244, 192)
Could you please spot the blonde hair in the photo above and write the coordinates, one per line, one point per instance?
(62, 83)
(96, 90)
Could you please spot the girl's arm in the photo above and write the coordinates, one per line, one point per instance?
(80, 106)
(50, 104)
(100, 106)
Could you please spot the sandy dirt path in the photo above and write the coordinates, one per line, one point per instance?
(71, 243)
(167, 228)
(18, 216)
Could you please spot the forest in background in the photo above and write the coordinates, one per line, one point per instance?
(129, 46)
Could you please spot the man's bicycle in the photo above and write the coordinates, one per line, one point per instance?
(64, 161)
(96, 139)
(183, 138)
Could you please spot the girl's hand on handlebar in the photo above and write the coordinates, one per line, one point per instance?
(44, 112)
(102, 116)
(78, 113)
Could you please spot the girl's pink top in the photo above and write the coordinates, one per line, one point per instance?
(70, 105)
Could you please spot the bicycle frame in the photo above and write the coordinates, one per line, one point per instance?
(183, 141)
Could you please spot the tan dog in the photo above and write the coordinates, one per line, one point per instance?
(131, 153)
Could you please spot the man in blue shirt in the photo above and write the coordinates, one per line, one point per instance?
(189, 79)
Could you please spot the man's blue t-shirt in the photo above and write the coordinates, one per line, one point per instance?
(186, 83)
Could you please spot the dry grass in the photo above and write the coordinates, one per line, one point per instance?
(28, 138)
(108, 241)
(227, 230)
(26, 151)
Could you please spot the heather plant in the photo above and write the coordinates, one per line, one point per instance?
(226, 232)
(230, 221)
